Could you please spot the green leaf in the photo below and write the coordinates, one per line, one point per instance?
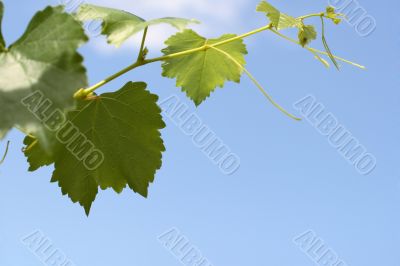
(330, 11)
(2, 42)
(306, 34)
(123, 127)
(279, 20)
(198, 74)
(120, 25)
(42, 66)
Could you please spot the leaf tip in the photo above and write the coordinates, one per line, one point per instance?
(87, 208)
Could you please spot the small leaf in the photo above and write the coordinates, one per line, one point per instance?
(44, 64)
(306, 34)
(120, 25)
(279, 20)
(330, 11)
(199, 73)
(331, 14)
(122, 127)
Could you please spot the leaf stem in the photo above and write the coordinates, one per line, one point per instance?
(240, 37)
(327, 49)
(142, 53)
(178, 54)
(313, 50)
(259, 86)
(312, 15)
(83, 93)
(205, 47)
(31, 145)
(5, 153)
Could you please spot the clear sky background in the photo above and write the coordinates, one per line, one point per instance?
(290, 180)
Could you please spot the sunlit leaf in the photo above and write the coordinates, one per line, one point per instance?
(198, 74)
(278, 19)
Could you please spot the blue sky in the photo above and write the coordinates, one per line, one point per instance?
(291, 179)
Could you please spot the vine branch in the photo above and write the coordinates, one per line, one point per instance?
(313, 50)
(141, 61)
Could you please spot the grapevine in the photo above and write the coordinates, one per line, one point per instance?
(113, 140)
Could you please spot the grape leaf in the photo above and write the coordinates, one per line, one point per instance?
(198, 74)
(43, 60)
(306, 34)
(123, 127)
(119, 25)
(279, 20)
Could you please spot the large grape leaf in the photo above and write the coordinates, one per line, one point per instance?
(199, 73)
(123, 127)
(278, 19)
(43, 60)
(119, 25)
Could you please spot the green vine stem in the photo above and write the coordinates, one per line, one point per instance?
(313, 50)
(312, 15)
(142, 51)
(5, 153)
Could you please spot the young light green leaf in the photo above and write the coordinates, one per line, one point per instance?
(120, 25)
(123, 128)
(279, 20)
(258, 85)
(198, 74)
(331, 14)
(42, 66)
(306, 34)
